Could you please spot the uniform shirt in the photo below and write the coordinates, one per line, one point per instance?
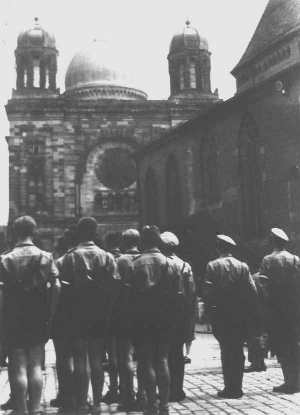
(184, 279)
(18, 262)
(279, 265)
(153, 292)
(229, 289)
(149, 269)
(87, 258)
(283, 270)
(125, 265)
(185, 286)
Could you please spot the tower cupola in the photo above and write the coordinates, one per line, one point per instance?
(189, 66)
(36, 62)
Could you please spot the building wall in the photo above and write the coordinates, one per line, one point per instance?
(271, 117)
(53, 147)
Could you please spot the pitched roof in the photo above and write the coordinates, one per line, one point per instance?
(280, 18)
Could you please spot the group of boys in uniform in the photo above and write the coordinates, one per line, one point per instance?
(240, 309)
(87, 300)
(91, 301)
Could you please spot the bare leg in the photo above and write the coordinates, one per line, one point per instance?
(64, 368)
(95, 352)
(188, 346)
(126, 370)
(81, 375)
(18, 379)
(59, 368)
(146, 355)
(35, 376)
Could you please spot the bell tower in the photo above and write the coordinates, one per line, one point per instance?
(190, 66)
(36, 62)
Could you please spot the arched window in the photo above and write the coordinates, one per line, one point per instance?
(250, 178)
(25, 77)
(47, 78)
(151, 198)
(173, 192)
(193, 81)
(209, 171)
(181, 76)
(36, 73)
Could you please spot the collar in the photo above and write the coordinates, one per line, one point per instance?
(22, 244)
(276, 251)
(151, 251)
(132, 251)
(225, 255)
(87, 243)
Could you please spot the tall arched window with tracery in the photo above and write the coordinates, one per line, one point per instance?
(209, 171)
(173, 192)
(151, 198)
(250, 173)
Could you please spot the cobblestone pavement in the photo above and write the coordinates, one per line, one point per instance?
(203, 380)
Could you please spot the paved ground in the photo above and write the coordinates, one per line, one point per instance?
(202, 381)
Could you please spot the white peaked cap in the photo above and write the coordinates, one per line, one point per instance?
(226, 239)
(169, 238)
(280, 234)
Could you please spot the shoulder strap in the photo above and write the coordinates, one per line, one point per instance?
(183, 267)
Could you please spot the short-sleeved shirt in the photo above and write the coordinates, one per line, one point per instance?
(16, 262)
(279, 265)
(149, 269)
(283, 271)
(125, 265)
(230, 290)
(186, 290)
(184, 276)
(153, 290)
(87, 256)
(26, 274)
(122, 315)
(90, 272)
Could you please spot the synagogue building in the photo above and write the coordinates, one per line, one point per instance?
(73, 153)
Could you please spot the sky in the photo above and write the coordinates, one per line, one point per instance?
(139, 32)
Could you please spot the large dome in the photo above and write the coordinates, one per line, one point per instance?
(95, 73)
(189, 38)
(36, 37)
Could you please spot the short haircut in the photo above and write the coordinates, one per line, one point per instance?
(70, 236)
(112, 240)
(150, 237)
(224, 247)
(24, 226)
(278, 242)
(131, 237)
(87, 229)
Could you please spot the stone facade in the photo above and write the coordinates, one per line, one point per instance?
(236, 166)
(74, 154)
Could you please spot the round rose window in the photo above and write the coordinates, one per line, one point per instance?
(116, 168)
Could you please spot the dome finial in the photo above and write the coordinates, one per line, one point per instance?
(36, 21)
(188, 22)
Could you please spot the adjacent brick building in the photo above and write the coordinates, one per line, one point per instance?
(73, 154)
(235, 168)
